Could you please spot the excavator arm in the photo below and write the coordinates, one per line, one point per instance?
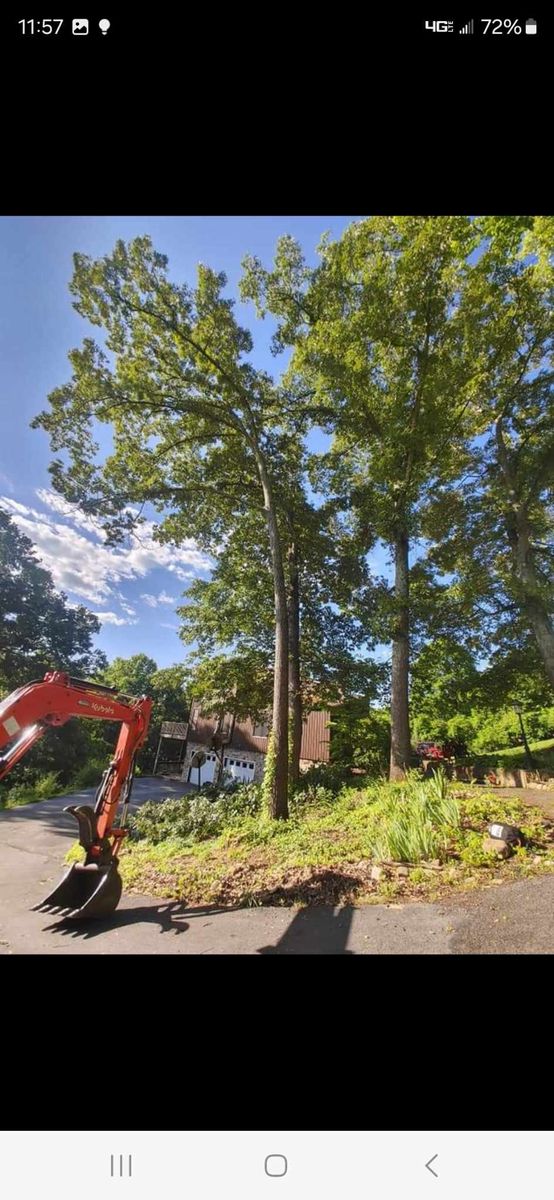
(92, 889)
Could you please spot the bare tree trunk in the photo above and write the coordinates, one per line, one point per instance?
(280, 723)
(400, 721)
(295, 695)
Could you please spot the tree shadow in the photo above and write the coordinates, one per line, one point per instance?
(317, 930)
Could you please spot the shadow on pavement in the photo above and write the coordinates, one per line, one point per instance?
(317, 930)
(169, 916)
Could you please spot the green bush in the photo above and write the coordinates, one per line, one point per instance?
(330, 776)
(315, 794)
(226, 787)
(486, 730)
(89, 775)
(360, 737)
(194, 818)
(473, 854)
(23, 793)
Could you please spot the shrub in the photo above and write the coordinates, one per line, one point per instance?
(330, 776)
(194, 818)
(89, 775)
(175, 819)
(473, 854)
(24, 793)
(314, 794)
(361, 736)
(243, 801)
(226, 786)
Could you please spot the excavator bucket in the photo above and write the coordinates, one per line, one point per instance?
(85, 892)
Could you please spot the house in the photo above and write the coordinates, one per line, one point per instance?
(244, 745)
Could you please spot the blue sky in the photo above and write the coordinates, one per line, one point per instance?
(134, 590)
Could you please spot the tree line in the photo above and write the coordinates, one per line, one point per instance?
(422, 346)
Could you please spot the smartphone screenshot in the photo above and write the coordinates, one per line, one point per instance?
(287, 1164)
(276, 523)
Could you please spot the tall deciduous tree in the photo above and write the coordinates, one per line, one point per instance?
(191, 421)
(39, 630)
(378, 342)
(506, 534)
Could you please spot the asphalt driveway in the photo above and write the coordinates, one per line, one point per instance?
(511, 918)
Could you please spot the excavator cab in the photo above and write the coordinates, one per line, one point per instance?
(91, 889)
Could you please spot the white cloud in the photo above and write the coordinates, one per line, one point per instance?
(91, 569)
(111, 618)
(178, 571)
(161, 598)
(71, 511)
(167, 625)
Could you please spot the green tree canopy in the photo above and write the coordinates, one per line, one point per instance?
(493, 525)
(39, 631)
(193, 423)
(378, 342)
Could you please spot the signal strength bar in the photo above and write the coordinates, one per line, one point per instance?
(469, 28)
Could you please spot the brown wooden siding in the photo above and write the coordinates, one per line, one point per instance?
(315, 736)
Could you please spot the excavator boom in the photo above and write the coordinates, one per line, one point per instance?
(92, 889)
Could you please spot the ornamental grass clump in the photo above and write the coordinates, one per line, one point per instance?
(414, 823)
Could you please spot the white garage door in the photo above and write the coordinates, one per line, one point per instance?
(239, 768)
(207, 772)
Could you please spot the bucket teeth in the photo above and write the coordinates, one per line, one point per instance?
(85, 892)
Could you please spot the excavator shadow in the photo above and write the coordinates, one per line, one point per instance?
(170, 917)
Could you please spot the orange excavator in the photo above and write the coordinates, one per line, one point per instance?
(92, 888)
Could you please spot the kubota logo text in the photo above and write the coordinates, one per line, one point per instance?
(103, 709)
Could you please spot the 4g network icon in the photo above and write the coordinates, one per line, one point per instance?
(440, 26)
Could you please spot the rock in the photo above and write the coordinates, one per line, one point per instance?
(403, 871)
(497, 846)
(377, 873)
(507, 833)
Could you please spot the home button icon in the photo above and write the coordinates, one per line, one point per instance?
(275, 1165)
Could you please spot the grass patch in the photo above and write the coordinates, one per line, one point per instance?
(426, 836)
(514, 757)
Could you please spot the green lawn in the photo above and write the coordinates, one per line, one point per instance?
(514, 756)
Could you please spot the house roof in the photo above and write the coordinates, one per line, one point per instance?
(315, 734)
